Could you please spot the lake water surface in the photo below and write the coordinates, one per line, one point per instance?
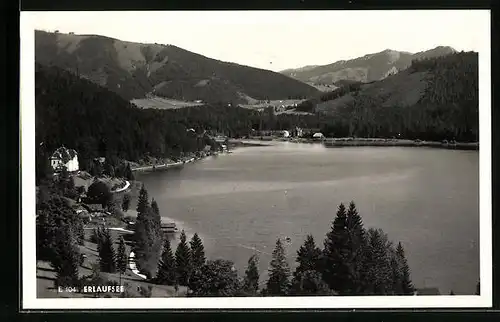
(240, 203)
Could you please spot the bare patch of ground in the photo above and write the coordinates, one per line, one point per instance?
(273, 103)
(69, 42)
(162, 103)
(403, 89)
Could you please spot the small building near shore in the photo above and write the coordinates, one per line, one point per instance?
(286, 134)
(64, 158)
(318, 136)
(169, 227)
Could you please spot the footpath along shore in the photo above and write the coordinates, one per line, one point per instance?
(177, 164)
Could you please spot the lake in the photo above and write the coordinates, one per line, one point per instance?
(240, 203)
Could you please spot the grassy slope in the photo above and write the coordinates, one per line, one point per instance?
(133, 70)
(402, 89)
(46, 275)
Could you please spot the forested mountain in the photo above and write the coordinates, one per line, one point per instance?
(95, 121)
(368, 68)
(135, 70)
(433, 99)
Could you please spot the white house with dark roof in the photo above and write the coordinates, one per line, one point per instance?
(63, 157)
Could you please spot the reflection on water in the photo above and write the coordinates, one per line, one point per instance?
(240, 203)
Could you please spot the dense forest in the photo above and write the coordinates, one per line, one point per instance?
(94, 121)
(447, 110)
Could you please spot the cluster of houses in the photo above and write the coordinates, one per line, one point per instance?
(294, 133)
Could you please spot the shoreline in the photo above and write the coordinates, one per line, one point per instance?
(163, 166)
(401, 143)
(350, 142)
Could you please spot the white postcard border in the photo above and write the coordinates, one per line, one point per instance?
(28, 275)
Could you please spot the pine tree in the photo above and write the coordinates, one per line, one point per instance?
(183, 260)
(307, 278)
(251, 279)
(396, 275)
(197, 252)
(148, 242)
(166, 268)
(66, 258)
(107, 256)
(126, 202)
(407, 287)
(216, 278)
(356, 251)
(128, 173)
(154, 206)
(279, 272)
(142, 201)
(122, 257)
(308, 256)
(156, 214)
(109, 168)
(378, 263)
(309, 282)
(336, 269)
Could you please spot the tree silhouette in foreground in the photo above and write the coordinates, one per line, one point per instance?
(166, 268)
(107, 256)
(183, 260)
(126, 202)
(406, 286)
(121, 257)
(307, 278)
(215, 278)
(279, 272)
(355, 251)
(336, 269)
(251, 279)
(197, 252)
(66, 258)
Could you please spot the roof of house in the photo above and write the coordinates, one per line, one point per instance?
(318, 134)
(64, 154)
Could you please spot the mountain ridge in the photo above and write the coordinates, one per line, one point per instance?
(370, 67)
(136, 70)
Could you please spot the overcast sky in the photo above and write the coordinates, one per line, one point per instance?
(278, 40)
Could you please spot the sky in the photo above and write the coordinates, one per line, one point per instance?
(278, 40)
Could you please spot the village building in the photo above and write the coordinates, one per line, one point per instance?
(318, 136)
(64, 158)
(169, 227)
(286, 134)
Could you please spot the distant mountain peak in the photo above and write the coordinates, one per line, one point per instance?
(369, 67)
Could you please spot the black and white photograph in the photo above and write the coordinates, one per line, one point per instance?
(256, 159)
